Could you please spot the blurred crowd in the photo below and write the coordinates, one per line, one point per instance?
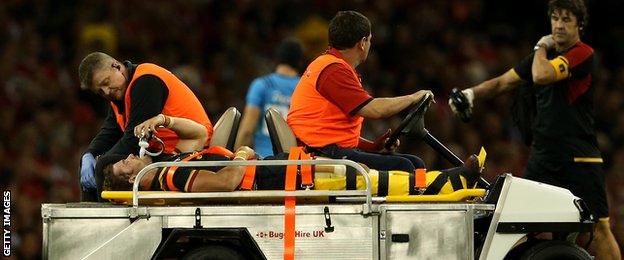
(218, 47)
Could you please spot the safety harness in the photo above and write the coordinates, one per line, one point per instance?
(216, 150)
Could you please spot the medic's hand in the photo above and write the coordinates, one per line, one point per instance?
(419, 95)
(87, 170)
(461, 103)
(149, 126)
(546, 41)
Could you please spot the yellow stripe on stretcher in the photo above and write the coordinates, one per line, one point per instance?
(588, 159)
(125, 197)
(454, 196)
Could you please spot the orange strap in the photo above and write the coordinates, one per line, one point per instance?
(248, 179)
(289, 231)
(421, 178)
(307, 181)
(218, 150)
(289, 206)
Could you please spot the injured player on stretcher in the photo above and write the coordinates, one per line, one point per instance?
(119, 172)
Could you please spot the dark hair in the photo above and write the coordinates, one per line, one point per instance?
(104, 170)
(92, 62)
(576, 7)
(347, 28)
(290, 52)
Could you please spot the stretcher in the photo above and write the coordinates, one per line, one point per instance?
(396, 186)
(353, 224)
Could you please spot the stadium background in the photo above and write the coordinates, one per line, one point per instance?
(218, 47)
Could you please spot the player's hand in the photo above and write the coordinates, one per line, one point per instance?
(87, 172)
(461, 103)
(546, 41)
(246, 151)
(149, 126)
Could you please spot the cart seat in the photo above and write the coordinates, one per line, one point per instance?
(225, 129)
(282, 137)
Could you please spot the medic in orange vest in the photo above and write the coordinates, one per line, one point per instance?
(329, 103)
(136, 93)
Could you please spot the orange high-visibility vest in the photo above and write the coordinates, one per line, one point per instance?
(181, 102)
(316, 121)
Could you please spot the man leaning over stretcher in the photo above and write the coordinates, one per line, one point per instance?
(120, 171)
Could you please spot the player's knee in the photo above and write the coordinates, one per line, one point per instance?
(414, 160)
(418, 163)
(403, 164)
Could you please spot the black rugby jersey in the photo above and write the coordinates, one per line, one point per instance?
(563, 128)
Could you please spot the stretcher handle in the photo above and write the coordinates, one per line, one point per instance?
(367, 192)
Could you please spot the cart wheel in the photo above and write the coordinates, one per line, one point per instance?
(214, 252)
(548, 250)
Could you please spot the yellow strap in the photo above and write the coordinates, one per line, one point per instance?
(560, 64)
(588, 160)
(481, 158)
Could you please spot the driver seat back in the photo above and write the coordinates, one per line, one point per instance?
(282, 137)
(224, 131)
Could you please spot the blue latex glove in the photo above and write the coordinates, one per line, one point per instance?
(87, 172)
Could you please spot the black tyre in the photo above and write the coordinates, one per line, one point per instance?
(555, 250)
(214, 252)
(517, 252)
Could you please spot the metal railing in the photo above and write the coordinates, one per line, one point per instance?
(247, 194)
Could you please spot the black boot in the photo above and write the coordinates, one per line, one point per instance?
(470, 171)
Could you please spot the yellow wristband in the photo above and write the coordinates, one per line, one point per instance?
(241, 154)
(164, 123)
(170, 125)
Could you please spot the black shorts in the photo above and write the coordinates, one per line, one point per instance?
(584, 180)
(272, 177)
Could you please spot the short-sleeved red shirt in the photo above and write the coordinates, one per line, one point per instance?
(337, 84)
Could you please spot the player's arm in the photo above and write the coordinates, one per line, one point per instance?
(547, 71)
(496, 86)
(489, 88)
(255, 102)
(192, 135)
(226, 179)
(148, 96)
(251, 115)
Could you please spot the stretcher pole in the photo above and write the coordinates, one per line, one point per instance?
(448, 155)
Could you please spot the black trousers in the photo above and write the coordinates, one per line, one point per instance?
(382, 162)
(585, 180)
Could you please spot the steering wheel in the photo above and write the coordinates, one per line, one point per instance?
(412, 123)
